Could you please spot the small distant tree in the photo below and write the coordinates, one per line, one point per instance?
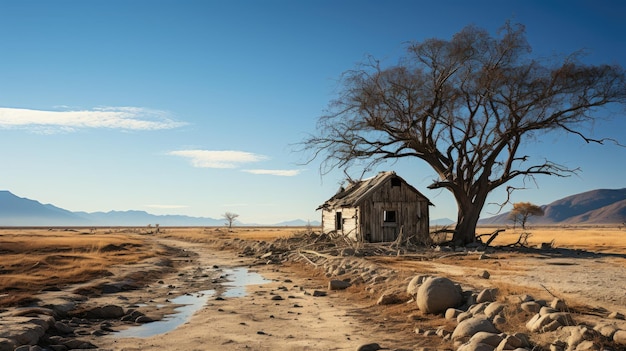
(522, 211)
(230, 218)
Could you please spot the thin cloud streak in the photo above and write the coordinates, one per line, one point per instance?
(275, 172)
(218, 159)
(125, 118)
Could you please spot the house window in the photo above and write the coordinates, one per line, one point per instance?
(396, 182)
(338, 221)
(389, 216)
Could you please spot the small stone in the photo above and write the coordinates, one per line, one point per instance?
(318, 293)
(144, 319)
(531, 307)
(558, 305)
(369, 347)
(485, 275)
(620, 337)
(336, 284)
(277, 298)
(616, 315)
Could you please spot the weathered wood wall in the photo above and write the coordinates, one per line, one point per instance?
(349, 221)
(411, 213)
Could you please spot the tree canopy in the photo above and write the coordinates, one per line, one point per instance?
(464, 106)
(522, 211)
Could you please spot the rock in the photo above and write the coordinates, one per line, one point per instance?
(414, 284)
(318, 293)
(485, 275)
(546, 310)
(144, 319)
(578, 334)
(473, 325)
(616, 315)
(531, 307)
(79, 344)
(7, 344)
(106, 312)
(558, 305)
(389, 299)
(491, 339)
(494, 309)
(549, 322)
(475, 346)
(369, 347)
(63, 328)
(463, 316)
(277, 298)
(498, 320)
(452, 313)
(437, 294)
(487, 295)
(477, 308)
(336, 284)
(587, 345)
(619, 337)
(510, 342)
(607, 330)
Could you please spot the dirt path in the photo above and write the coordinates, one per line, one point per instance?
(280, 315)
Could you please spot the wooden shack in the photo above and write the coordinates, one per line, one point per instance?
(375, 209)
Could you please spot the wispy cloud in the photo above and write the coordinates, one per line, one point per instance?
(275, 172)
(218, 159)
(124, 118)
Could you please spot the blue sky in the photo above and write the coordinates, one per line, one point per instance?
(194, 107)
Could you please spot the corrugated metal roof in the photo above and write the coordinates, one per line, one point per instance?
(357, 191)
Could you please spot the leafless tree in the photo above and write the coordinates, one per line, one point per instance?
(465, 107)
(230, 219)
(522, 211)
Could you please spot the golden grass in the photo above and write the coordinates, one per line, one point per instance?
(35, 259)
(205, 234)
(592, 238)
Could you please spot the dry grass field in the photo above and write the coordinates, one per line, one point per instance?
(33, 260)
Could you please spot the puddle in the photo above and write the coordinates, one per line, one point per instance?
(238, 280)
(190, 304)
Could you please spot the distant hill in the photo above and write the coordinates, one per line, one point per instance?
(601, 206)
(441, 221)
(299, 223)
(19, 211)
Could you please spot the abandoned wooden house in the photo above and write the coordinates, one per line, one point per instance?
(376, 209)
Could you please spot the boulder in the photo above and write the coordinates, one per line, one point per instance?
(471, 326)
(475, 346)
(437, 294)
(491, 339)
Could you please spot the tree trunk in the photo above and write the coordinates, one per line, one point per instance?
(467, 218)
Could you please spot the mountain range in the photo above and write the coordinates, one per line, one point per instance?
(601, 206)
(18, 211)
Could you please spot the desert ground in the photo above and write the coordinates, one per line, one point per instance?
(213, 276)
